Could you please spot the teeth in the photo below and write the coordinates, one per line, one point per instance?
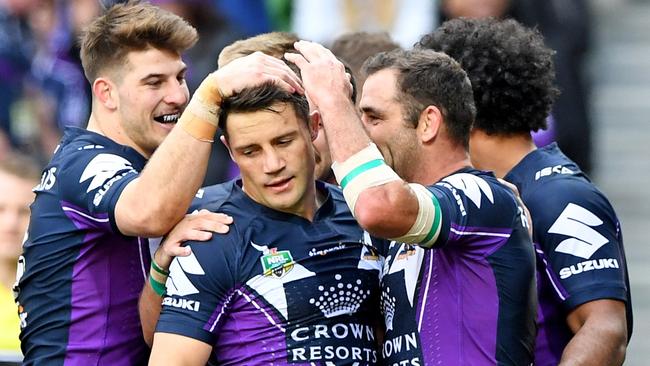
(168, 118)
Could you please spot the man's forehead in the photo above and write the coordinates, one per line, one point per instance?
(262, 125)
(153, 61)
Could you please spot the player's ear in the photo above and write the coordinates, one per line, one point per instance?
(106, 93)
(225, 143)
(429, 123)
(314, 124)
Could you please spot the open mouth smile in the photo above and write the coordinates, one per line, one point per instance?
(167, 118)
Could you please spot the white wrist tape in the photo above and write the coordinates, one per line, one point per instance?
(361, 171)
(426, 229)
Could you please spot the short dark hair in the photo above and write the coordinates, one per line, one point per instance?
(267, 97)
(510, 68)
(429, 78)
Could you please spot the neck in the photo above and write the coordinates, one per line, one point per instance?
(438, 161)
(499, 153)
(102, 124)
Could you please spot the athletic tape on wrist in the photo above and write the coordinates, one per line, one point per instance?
(158, 269)
(427, 225)
(201, 116)
(158, 287)
(361, 171)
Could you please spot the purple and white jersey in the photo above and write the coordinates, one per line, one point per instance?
(579, 245)
(81, 278)
(470, 300)
(278, 289)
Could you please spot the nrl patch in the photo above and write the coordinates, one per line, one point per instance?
(277, 263)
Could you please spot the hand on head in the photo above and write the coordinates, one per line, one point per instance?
(253, 70)
(323, 75)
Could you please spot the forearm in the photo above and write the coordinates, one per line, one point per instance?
(345, 133)
(177, 350)
(149, 307)
(593, 346)
(154, 202)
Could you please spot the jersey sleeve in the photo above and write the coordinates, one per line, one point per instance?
(92, 180)
(579, 234)
(442, 195)
(200, 288)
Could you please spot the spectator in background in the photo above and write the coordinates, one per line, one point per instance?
(58, 87)
(15, 53)
(18, 175)
(251, 16)
(356, 47)
(474, 8)
(324, 20)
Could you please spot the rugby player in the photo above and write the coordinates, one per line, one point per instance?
(295, 280)
(466, 293)
(84, 266)
(585, 309)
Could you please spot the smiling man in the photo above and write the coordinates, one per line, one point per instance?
(458, 284)
(295, 280)
(84, 266)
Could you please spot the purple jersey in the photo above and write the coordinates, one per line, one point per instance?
(579, 245)
(81, 277)
(278, 289)
(470, 300)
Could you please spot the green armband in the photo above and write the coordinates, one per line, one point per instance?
(158, 287)
(158, 269)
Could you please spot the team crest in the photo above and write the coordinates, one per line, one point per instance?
(277, 263)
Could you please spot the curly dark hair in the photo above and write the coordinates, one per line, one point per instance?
(510, 67)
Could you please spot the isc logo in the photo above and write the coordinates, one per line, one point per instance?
(558, 169)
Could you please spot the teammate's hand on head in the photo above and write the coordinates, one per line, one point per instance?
(323, 75)
(197, 226)
(253, 70)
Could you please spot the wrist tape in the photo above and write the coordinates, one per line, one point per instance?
(201, 116)
(361, 171)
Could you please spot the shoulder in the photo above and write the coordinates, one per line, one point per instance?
(85, 154)
(212, 197)
(568, 194)
(480, 188)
